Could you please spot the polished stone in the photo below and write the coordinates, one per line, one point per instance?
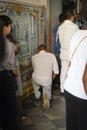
(39, 118)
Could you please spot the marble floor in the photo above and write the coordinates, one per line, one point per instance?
(39, 118)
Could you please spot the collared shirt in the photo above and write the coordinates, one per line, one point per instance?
(9, 62)
(44, 64)
(65, 32)
(74, 83)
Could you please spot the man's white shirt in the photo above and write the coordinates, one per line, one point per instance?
(73, 83)
(44, 64)
(65, 33)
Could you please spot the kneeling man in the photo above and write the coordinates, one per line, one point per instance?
(45, 68)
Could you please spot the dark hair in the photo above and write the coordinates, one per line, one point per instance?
(68, 14)
(84, 9)
(61, 17)
(4, 21)
(42, 47)
(11, 39)
(15, 42)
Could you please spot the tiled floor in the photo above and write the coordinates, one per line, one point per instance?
(39, 118)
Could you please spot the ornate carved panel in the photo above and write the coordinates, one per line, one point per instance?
(33, 2)
(28, 30)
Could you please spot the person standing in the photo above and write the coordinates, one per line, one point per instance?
(45, 68)
(55, 40)
(65, 33)
(8, 112)
(19, 92)
(75, 94)
(80, 21)
(56, 45)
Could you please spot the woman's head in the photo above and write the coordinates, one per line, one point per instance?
(5, 29)
(84, 9)
(5, 25)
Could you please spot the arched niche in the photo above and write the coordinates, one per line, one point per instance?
(28, 30)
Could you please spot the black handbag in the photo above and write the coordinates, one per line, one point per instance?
(11, 79)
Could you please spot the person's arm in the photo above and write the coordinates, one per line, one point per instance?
(15, 72)
(52, 39)
(54, 75)
(85, 79)
(57, 35)
(55, 67)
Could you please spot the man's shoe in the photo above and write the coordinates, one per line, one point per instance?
(46, 102)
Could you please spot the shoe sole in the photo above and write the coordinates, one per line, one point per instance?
(46, 101)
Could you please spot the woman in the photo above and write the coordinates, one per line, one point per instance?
(75, 95)
(19, 92)
(7, 92)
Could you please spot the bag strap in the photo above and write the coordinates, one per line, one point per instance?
(77, 48)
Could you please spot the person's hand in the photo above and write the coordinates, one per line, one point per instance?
(53, 76)
(15, 72)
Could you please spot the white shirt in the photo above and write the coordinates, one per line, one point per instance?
(43, 64)
(65, 32)
(73, 83)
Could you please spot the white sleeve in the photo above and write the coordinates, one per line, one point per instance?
(55, 65)
(57, 35)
